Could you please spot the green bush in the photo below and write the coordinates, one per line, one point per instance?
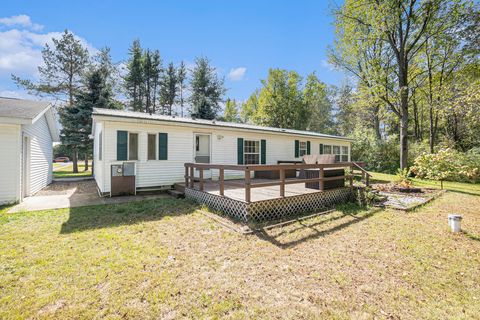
(379, 156)
(448, 165)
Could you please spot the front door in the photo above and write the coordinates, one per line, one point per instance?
(202, 151)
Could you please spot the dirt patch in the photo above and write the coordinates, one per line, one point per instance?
(63, 188)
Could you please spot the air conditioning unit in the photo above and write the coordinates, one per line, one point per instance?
(122, 181)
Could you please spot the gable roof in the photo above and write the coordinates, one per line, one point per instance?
(210, 123)
(19, 111)
(22, 109)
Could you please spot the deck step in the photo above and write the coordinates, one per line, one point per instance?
(179, 187)
(176, 194)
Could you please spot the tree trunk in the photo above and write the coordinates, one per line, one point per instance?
(376, 122)
(431, 136)
(75, 159)
(86, 162)
(416, 120)
(403, 84)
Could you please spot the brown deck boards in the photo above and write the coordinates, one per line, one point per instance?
(234, 190)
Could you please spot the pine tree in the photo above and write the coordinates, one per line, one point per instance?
(181, 78)
(168, 89)
(231, 113)
(155, 75)
(61, 73)
(134, 77)
(77, 120)
(207, 90)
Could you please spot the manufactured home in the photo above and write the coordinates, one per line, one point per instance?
(155, 148)
(27, 131)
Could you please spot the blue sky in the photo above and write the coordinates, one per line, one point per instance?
(243, 39)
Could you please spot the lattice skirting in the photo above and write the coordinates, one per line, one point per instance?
(272, 209)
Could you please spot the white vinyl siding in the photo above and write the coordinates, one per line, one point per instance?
(10, 162)
(41, 154)
(181, 149)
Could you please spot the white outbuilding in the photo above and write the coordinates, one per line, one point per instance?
(27, 132)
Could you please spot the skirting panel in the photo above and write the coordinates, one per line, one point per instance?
(234, 208)
(273, 209)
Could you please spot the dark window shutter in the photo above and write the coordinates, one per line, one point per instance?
(308, 147)
(263, 151)
(163, 146)
(297, 148)
(122, 145)
(239, 150)
(321, 148)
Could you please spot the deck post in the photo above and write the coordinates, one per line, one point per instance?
(192, 179)
(201, 179)
(321, 176)
(222, 183)
(247, 185)
(351, 177)
(186, 176)
(282, 183)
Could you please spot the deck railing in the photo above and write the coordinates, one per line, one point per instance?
(281, 168)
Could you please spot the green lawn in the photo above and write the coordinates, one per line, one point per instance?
(162, 259)
(61, 170)
(467, 188)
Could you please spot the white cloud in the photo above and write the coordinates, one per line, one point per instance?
(21, 47)
(327, 65)
(21, 20)
(237, 74)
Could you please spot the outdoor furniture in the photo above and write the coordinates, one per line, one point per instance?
(315, 173)
(275, 174)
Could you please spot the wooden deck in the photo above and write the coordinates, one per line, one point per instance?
(254, 199)
(234, 189)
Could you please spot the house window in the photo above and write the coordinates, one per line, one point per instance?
(302, 150)
(336, 152)
(152, 147)
(251, 152)
(100, 145)
(327, 149)
(344, 154)
(133, 146)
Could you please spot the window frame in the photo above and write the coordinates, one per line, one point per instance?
(257, 144)
(128, 145)
(342, 154)
(300, 149)
(338, 156)
(327, 146)
(155, 145)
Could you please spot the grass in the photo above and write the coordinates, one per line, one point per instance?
(163, 259)
(60, 170)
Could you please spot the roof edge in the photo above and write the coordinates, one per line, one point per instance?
(97, 112)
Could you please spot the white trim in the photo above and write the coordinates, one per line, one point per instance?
(259, 150)
(209, 144)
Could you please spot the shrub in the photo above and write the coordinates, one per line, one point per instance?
(447, 165)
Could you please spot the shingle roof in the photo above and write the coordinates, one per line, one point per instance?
(211, 123)
(23, 109)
